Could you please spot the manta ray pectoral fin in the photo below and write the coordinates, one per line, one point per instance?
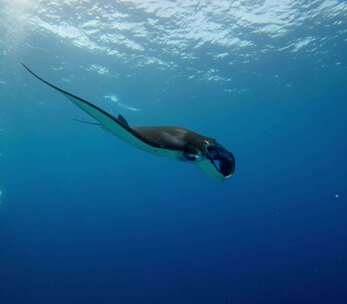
(117, 126)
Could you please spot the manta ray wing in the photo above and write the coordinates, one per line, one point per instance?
(114, 125)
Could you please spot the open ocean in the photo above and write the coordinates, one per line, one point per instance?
(86, 218)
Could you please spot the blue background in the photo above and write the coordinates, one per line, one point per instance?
(85, 218)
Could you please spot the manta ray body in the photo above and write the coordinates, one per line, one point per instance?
(169, 141)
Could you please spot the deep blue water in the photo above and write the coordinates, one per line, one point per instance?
(86, 218)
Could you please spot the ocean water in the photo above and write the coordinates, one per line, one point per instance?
(86, 218)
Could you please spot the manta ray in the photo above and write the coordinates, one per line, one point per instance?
(169, 141)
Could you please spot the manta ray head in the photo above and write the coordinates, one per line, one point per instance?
(216, 160)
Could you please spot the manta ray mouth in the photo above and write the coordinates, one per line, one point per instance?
(222, 160)
(224, 166)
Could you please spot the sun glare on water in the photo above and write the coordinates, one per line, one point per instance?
(19, 5)
(15, 18)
